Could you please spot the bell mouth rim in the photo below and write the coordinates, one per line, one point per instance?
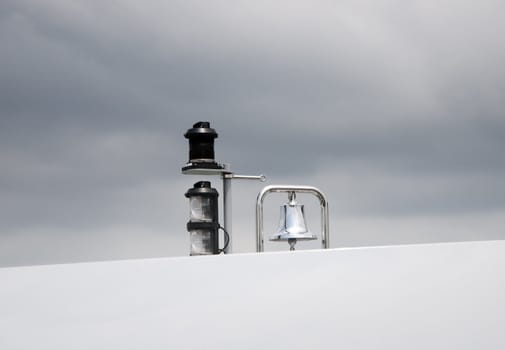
(287, 236)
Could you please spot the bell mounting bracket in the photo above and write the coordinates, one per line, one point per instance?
(291, 189)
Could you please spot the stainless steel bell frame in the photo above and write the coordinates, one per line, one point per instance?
(325, 235)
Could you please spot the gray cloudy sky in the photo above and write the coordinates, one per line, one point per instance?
(395, 109)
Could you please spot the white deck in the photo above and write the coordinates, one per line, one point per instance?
(439, 296)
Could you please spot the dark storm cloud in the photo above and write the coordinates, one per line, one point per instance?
(396, 106)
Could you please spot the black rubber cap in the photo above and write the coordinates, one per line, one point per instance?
(201, 129)
(202, 188)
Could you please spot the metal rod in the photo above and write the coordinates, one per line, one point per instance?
(261, 178)
(227, 201)
(227, 212)
(325, 230)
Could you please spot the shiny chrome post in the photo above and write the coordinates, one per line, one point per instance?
(325, 234)
(227, 209)
(227, 176)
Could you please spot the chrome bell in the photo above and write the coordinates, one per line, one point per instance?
(292, 225)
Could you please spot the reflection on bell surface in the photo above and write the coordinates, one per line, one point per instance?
(292, 225)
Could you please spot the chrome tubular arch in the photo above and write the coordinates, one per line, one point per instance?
(325, 234)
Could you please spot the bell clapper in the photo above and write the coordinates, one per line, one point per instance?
(292, 203)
